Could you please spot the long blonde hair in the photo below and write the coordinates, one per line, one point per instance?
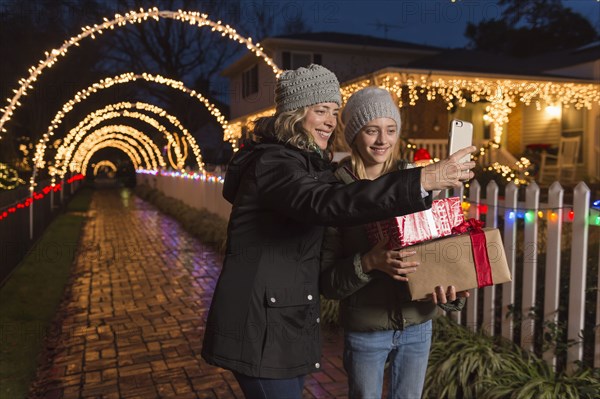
(358, 165)
(287, 128)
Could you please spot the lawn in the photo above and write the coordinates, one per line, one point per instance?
(30, 297)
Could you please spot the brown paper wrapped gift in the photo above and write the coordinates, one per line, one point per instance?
(449, 261)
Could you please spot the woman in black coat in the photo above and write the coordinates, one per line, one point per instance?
(263, 323)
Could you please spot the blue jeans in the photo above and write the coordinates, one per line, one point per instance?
(267, 388)
(365, 354)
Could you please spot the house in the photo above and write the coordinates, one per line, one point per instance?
(521, 105)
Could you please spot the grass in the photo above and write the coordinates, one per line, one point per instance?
(31, 296)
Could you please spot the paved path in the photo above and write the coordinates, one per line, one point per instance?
(131, 322)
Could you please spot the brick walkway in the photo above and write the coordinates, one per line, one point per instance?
(131, 323)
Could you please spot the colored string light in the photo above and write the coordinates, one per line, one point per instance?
(36, 196)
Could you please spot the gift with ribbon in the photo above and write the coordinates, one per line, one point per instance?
(418, 227)
(478, 245)
(473, 257)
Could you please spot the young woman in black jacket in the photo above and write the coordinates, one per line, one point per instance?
(263, 322)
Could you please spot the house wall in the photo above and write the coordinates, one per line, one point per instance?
(538, 127)
(263, 99)
(425, 120)
(591, 138)
(345, 63)
(514, 131)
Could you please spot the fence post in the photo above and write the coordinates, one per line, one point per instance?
(553, 246)
(579, 248)
(491, 220)
(474, 197)
(510, 246)
(532, 199)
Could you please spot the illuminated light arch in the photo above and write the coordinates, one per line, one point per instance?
(121, 110)
(131, 17)
(110, 143)
(124, 146)
(125, 133)
(90, 145)
(38, 159)
(104, 164)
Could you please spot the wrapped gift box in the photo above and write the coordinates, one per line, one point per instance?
(450, 261)
(420, 226)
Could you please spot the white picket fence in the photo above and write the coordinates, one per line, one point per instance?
(555, 213)
(207, 194)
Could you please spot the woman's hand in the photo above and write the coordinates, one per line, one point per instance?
(389, 262)
(448, 296)
(449, 172)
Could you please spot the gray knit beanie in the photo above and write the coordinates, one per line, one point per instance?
(364, 106)
(306, 86)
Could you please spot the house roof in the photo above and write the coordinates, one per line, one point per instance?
(334, 39)
(356, 40)
(483, 62)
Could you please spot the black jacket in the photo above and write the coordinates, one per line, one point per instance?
(264, 316)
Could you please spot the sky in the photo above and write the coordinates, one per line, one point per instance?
(434, 22)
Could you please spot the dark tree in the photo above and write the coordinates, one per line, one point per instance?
(529, 27)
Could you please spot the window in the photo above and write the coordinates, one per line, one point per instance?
(294, 60)
(572, 126)
(250, 81)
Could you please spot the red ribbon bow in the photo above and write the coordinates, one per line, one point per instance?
(483, 270)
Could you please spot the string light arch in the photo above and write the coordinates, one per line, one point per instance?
(38, 160)
(110, 143)
(122, 110)
(78, 166)
(147, 148)
(131, 17)
(104, 164)
(124, 146)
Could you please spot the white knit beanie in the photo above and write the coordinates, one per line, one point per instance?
(365, 105)
(303, 87)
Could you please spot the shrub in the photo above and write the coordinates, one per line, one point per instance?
(465, 364)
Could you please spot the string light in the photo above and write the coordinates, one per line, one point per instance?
(131, 17)
(9, 178)
(124, 146)
(38, 159)
(134, 137)
(12, 209)
(202, 176)
(104, 164)
(119, 110)
(567, 212)
(503, 95)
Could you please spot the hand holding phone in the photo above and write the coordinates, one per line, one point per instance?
(461, 136)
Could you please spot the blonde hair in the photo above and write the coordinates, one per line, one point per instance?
(287, 128)
(358, 165)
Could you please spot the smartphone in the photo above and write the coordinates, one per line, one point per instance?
(461, 136)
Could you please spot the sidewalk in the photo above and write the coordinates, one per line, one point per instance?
(131, 323)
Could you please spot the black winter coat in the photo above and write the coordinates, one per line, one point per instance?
(264, 317)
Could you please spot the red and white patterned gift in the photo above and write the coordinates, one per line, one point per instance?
(420, 226)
